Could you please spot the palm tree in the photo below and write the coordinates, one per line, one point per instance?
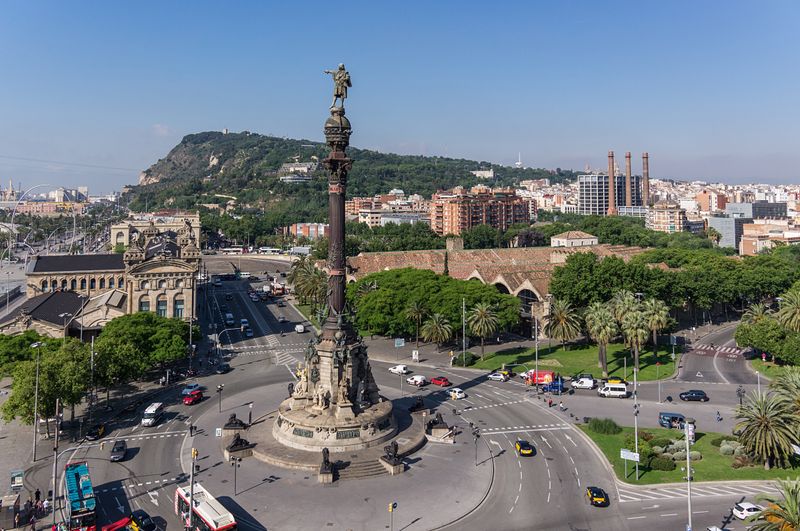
(714, 235)
(602, 327)
(437, 329)
(416, 311)
(657, 315)
(563, 322)
(787, 386)
(634, 327)
(622, 303)
(482, 322)
(768, 428)
(756, 313)
(781, 514)
(789, 312)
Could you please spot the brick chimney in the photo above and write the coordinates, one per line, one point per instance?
(612, 192)
(628, 192)
(645, 179)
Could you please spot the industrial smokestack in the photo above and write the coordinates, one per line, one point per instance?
(646, 179)
(628, 198)
(612, 192)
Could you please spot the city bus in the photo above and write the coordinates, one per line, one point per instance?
(268, 250)
(232, 250)
(208, 513)
(81, 506)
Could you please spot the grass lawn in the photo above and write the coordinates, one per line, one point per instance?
(768, 369)
(305, 309)
(713, 467)
(583, 358)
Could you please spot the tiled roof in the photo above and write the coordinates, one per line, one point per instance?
(71, 263)
(49, 307)
(574, 235)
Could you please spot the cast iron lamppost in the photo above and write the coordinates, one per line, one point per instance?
(220, 387)
(235, 463)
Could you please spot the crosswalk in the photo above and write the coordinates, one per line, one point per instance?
(524, 428)
(497, 404)
(628, 494)
(724, 350)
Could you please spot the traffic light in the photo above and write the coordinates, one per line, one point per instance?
(194, 453)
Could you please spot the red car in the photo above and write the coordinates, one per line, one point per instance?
(440, 380)
(193, 398)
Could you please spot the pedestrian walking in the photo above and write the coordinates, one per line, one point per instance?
(37, 495)
(16, 520)
(33, 523)
(549, 402)
(46, 506)
(719, 417)
(561, 406)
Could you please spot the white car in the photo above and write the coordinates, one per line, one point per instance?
(457, 393)
(190, 388)
(418, 380)
(745, 510)
(398, 369)
(583, 383)
(497, 377)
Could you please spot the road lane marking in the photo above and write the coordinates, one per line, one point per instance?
(716, 355)
(668, 514)
(636, 517)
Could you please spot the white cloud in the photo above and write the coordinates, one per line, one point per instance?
(161, 130)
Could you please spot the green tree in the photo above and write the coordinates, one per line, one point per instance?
(787, 386)
(634, 327)
(437, 329)
(481, 237)
(562, 322)
(782, 512)
(768, 428)
(622, 303)
(656, 314)
(789, 311)
(482, 322)
(713, 235)
(416, 311)
(602, 328)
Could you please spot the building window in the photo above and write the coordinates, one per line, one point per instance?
(83, 283)
(73, 284)
(179, 284)
(145, 284)
(178, 310)
(119, 282)
(92, 283)
(53, 285)
(44, 286)
(102, 283)
(111, 283)
(161, 306)
(64, 284)
(162, 284)
(144, 304)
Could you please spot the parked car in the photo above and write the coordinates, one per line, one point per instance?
(299, 328)
(398, 369)
(223, 368)
(694, 395)
(281, 319)
(583, 383)
(281, 304)
(190, 388)
(744, 510)
(143, 520)
(418, 380)
(96, 432)
(597, 496)
(195, 397)
(457, 393)
(524, 448)
(440, 380)
(498, 377)
(119, 450)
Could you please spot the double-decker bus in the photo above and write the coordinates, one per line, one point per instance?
(207, 514)
(81, 505)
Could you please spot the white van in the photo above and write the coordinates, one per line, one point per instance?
(613, 390)
(299, 328)
(152, 414)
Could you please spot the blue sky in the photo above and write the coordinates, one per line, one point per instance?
(709, 88)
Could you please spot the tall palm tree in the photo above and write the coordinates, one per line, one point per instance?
(756, 313)
(768, 428)
(787, 386)
(602, 328)
(634, 327)
(657, 315)
(622, 303)
(782, 513)
(482, 322)
(437, 329)
(562, 322)
(416, 311)
(789, 311)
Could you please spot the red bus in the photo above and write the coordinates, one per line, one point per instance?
(81, 505)
(207, 515)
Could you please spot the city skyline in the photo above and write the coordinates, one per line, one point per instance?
(95, 96)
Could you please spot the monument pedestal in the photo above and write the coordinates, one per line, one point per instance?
(393, 468)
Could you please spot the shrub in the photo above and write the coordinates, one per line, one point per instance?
(661, 463)
(661, 441)
(665, 456)
(672, 448)
(739, 451)
(604, 426)
(468, 357)
(679, 456)
(646, 436)
(695, 455)
(719, 441)
(658, 450)
(726, 450)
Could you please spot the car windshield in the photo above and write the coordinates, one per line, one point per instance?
(118, 447)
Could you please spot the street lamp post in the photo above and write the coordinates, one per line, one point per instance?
(65, 316)
(235, 463)
(55, 461)
(658, 365)
(758, 377)
(37, 346)
(220, 387)
(476, 434)
(740, 393)
(636, 435)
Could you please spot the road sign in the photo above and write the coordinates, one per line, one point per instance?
(628, 455)
(399, 342)
(218, 432)
(699, 374)
(415, 355)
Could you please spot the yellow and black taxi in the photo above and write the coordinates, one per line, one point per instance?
(524, 448)
(597, 496)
